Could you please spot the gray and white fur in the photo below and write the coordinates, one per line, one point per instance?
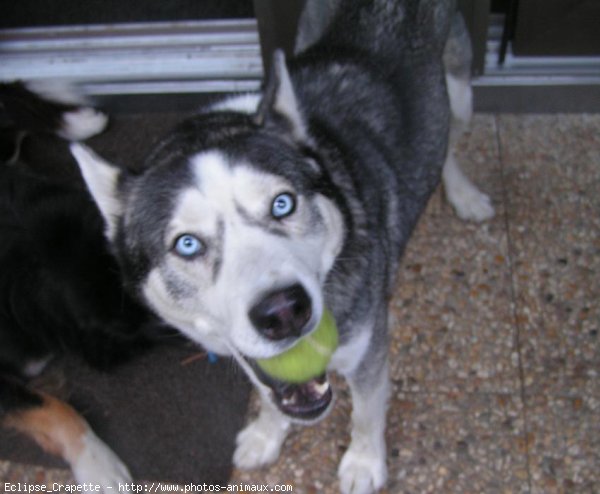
(251, 217)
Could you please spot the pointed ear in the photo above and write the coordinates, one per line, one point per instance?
(279, 100)
(102, 180)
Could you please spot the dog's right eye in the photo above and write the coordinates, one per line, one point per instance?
(283, 205)
(188, 246)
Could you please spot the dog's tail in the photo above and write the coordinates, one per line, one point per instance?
(49, 107)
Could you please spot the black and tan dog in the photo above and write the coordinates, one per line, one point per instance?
(60, 288)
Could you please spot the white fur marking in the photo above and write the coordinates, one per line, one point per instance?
(35, 367)
(285, 102)
(243, 103)
(98, 464)
(468, 202)
(461, 98)
(466, 199)
(362, 471)
(346, 358)
(259, 443)
(101, 179)
(83, 123)
(363, 467)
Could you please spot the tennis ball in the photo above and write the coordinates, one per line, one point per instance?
(308, 358)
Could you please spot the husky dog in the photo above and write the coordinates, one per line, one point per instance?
(254, 215)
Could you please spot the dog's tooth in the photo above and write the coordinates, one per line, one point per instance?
(289, 393)
(289, 400)
(320, 388)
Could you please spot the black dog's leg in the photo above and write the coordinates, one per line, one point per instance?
(60, 430)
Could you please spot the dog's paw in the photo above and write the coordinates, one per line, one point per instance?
(98, 464)
(470, 203)
(362, 471)
(82, 123)
(257, 445)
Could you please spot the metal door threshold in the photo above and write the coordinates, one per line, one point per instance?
(138, 59)
(535, 84)
(169, 65)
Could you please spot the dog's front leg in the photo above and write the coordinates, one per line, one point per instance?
(60, 430)
(259, 443)
(363, 468)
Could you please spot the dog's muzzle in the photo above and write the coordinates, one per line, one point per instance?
(286, 314)
(305, 402)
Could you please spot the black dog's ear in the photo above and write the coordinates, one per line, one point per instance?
(279, 103)
(102, 179)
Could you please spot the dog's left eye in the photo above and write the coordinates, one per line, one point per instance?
(188, 246)
(283, 205)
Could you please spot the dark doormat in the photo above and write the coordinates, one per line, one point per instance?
(170, 415)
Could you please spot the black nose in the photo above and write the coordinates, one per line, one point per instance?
(282, 313)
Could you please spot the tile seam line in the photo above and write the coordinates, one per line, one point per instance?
(458, 389)
(513, 296)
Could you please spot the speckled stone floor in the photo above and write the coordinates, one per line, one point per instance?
(495, 350)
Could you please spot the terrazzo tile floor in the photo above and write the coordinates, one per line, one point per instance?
(495, 351)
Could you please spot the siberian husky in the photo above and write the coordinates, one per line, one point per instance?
(260, 211)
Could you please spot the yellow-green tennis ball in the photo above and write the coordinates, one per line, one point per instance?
(308, 358)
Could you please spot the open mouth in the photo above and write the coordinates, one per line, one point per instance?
(305, 401)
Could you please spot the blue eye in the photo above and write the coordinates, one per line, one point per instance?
(283, 205)
(188, 246)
